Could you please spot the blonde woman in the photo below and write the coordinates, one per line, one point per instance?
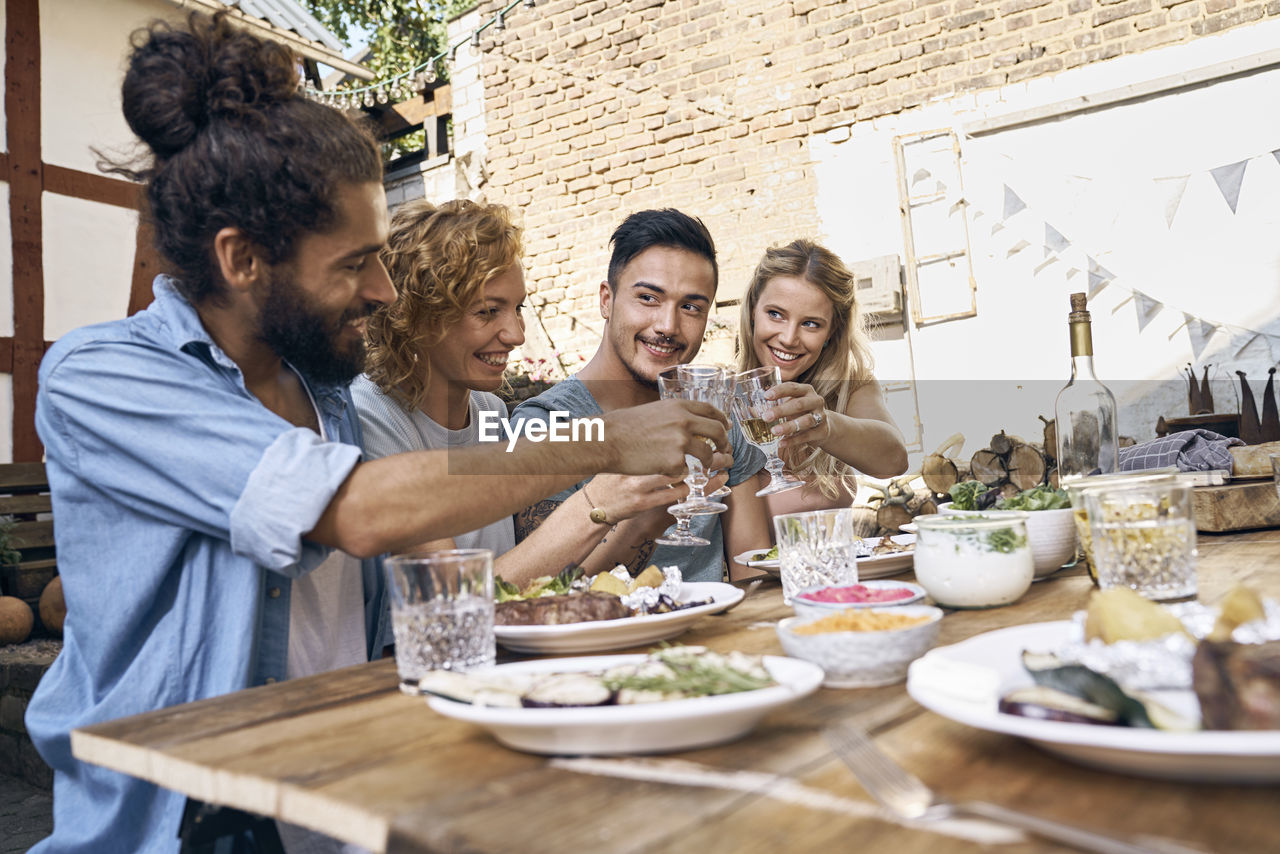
(436, 356)
(800, 314)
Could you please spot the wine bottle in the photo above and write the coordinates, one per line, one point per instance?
(1085, 409)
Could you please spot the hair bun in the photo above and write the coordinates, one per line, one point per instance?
(178, 81)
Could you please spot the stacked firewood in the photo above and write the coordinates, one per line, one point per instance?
(1008, 464)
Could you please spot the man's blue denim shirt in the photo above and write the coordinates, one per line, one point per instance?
(179, 504)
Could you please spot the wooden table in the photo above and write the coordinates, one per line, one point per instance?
(348, 754)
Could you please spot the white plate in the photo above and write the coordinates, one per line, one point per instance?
(879, 566)
(1216, 756)
(770, 565)
(643, 728)
(604, 635)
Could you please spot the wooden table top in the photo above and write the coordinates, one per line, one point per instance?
(348, 754)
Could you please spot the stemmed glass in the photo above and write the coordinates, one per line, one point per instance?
(672, 385)
(711, 374)
(749, 405)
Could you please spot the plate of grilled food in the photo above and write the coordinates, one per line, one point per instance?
(574, 617)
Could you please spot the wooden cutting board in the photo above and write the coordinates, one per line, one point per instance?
(1236, 506)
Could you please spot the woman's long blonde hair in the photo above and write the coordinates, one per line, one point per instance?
(846, 360)
(439, 258)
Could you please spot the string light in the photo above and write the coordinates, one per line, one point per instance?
(414, 79)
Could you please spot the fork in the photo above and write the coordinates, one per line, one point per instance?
(904, 795)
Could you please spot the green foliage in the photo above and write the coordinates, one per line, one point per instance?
(8, 554)
(401, 33)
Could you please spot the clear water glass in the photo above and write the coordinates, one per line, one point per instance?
(816, 548)
(1144, 538)
(441, 612)
(707, 389)
(722, 378)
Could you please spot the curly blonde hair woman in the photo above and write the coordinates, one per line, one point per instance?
(801, 315)
(437, 354)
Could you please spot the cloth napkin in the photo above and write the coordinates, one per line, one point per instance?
(1189, 450)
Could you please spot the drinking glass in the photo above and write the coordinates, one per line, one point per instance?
(1144, 538)
(441, 612)
(815, 548)
(723, 377)
(1076, 490)
(671, 385)
(749, 404)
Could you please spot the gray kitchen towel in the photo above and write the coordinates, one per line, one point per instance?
(1189, 450)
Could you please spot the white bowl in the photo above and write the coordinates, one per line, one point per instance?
(808, 607)
(864, 659)
(1050, 533)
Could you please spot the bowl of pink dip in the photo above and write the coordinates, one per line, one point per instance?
(829, 598)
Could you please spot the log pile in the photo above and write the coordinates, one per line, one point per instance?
(898, 503)
(1009, 464)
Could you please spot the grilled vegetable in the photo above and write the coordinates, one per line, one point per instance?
(1076, 679)
(1049, 704)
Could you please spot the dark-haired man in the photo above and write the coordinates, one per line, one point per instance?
(659, 293)
(202, 456)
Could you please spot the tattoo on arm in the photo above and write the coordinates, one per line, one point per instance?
(528, 519)
(644, 550)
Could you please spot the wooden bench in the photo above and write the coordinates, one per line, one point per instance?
(24, 499)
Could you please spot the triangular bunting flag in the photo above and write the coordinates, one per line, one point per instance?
(1200, 331)
(921, 174)
(958, 206)
(1096, 286)
(1276, 155)
(1147, 308)
(1053, 240)
(1172, 188)
(1229, 179)
(1012, 204)
(1245, 346)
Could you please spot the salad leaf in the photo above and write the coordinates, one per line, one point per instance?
(964, 495)
(1041, 497)
(504, 591)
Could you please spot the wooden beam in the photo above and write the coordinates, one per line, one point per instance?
(26, 183)
(92, 187)
(146, 264)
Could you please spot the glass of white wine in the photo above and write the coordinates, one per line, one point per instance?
(749, 405)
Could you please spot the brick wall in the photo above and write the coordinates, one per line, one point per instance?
(595, 109)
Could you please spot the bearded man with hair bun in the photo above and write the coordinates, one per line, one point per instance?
(213, 506)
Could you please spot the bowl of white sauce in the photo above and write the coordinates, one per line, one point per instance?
(979, 560)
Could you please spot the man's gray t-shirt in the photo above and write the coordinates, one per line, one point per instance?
(697, 563)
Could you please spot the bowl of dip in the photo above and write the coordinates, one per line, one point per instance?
(974, 560)
(829, 598)
(864, 647)
(1051, 534)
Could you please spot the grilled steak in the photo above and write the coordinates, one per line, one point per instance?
(1238, 684)
(557, 610)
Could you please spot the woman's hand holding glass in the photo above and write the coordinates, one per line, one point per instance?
(750, 404)
(800, 413)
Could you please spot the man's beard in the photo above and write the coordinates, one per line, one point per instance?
(300, 335)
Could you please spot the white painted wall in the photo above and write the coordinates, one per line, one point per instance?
(90, 284)
(1092, 176)
(84, 45)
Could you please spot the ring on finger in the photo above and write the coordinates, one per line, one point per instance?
(817, 417)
